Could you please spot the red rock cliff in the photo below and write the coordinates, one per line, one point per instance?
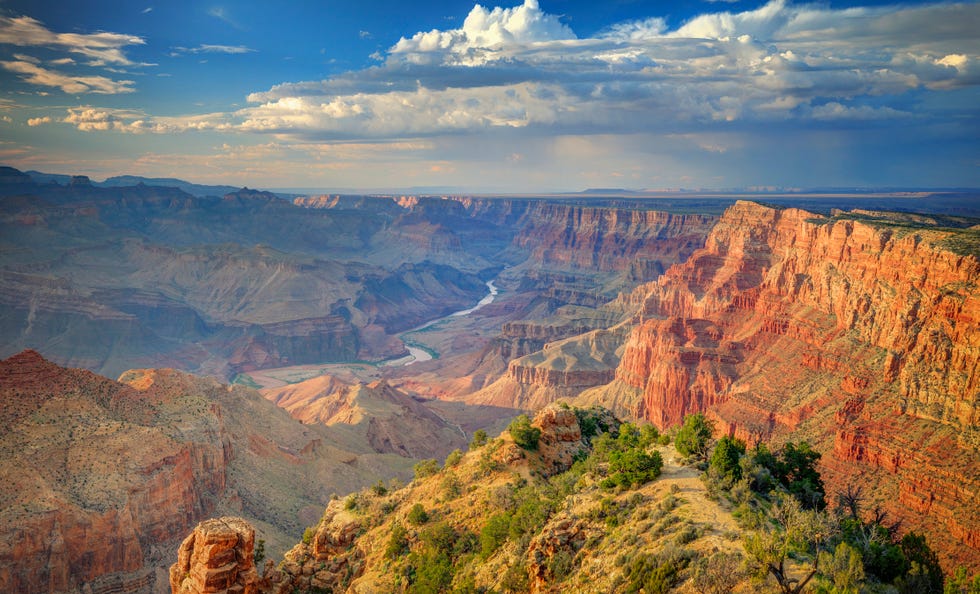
(643, 243)
(89, 485)
(856, 332)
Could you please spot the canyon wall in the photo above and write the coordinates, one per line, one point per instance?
(88, 484)
(859, 332)
(103, 478)
(639, 243)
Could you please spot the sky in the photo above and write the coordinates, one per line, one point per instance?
(544, 95)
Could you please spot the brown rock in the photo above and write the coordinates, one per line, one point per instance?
(217, 557)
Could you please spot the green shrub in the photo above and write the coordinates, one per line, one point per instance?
(494, 534)
(308, 535)
(417, 515)
(479, 439)
(525, 435)
(451, 486)
(454, 458)
(397, 542)
(961, 582)
(425, 468)
(379, 489)
(653, 574)
(649, 435)
(488, 464)
(629, 436)
(925, 574)
(633, 467)
(440, 537)
(693, 436)
(259, 554)
(433, 572)
(726, 458)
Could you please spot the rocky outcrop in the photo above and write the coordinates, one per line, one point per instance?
(562, 537)
(327, 562)
(561, 437)
(853, 331)
(217, 558)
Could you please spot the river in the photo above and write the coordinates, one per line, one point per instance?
(417, 354)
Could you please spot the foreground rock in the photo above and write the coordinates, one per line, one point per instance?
(218, 557)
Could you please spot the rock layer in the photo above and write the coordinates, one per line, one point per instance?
(217, 558)
(858, 332)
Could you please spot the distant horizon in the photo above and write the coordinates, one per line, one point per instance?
(895, 191)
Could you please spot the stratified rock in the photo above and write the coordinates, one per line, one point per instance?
(858, 332)
(217, 558)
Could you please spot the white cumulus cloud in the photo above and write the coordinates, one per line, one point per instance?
(484, 32)
(521, 68)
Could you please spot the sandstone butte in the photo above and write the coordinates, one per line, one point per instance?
(858, 333)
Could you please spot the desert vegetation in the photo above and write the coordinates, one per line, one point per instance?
(631, 514)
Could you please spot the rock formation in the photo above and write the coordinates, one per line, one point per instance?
(102, 477)
(391, 421)
(217, 558)
(859, 332)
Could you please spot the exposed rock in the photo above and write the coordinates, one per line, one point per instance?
(329, 562)
(562, 536)
(391, 421)
(217, 558)
(858, 334)
(103, 478)
(561, 437)
(610, 239)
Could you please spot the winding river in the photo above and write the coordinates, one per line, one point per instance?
(417, 353)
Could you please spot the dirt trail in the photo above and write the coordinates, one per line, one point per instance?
(696, 505)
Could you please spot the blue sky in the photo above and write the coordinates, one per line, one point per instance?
(540, 96)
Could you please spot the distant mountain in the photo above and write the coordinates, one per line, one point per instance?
(191, 188)
(119, 181)
(608, 191)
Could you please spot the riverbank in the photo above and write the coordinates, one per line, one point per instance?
(365, 370)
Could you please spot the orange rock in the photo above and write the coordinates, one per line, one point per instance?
(860, 336)
(217, 557)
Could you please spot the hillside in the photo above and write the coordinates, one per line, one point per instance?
(102, 478)
(570, 533)
(576, 501)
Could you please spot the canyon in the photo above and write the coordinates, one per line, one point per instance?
(857, 330)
